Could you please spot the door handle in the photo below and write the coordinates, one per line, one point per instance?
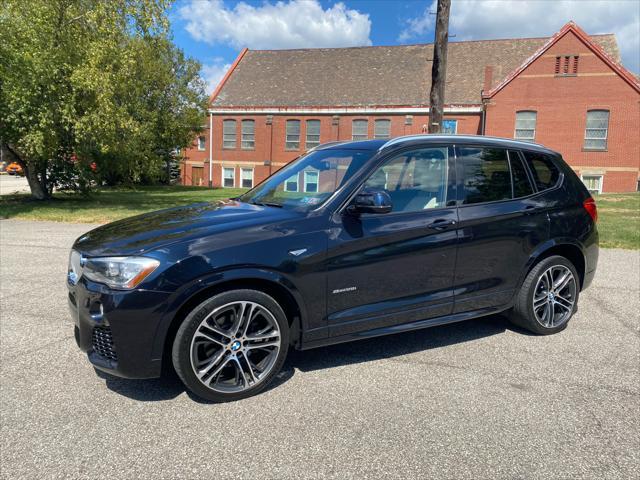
(441, 224)
(529, 210)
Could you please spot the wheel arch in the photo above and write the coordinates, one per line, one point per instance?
(273, 285)
(568, 249)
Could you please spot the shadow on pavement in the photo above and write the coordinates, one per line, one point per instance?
(170, 386)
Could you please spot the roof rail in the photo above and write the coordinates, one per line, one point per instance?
(406, 138)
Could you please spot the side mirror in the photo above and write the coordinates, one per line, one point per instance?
(376, 201)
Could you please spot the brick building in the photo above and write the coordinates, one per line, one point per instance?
(567, 92)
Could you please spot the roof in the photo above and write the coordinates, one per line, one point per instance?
(374, 76)
(405, 140)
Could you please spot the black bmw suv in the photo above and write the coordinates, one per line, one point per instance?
(351, 241)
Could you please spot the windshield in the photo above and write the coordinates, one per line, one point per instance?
(307, 182)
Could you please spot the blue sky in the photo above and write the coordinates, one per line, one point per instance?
(214, 31)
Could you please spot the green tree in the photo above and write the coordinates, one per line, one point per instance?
(94, 88)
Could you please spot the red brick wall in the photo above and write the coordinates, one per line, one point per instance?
(270, 141)
(562, 104)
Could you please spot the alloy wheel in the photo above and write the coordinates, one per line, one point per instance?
(554, 296)
(235, 347)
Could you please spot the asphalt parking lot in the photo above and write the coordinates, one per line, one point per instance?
(471, 400)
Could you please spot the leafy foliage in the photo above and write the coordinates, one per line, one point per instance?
(94, 91)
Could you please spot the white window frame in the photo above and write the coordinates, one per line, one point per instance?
(233, 169)
(359, 136)
(289, 137)
(317, 182)
(381, 121)
(314, 143)
(246, 137)
(246, 169)
(455, 121)
(202, 143)
(226, 136)
(297, 180)
(606, 131)
(593, 175)
(534, 129)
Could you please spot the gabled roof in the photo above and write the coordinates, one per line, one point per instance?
(373, 76)
(613, 61)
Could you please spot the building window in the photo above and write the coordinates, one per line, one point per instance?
(450, 126)
(593, 183)
(595, 135)
(382, 128)
(291, 185)
(313, 134)
(310, 181)
(229, 134)
(246, 177)
(248, 135)
(292, 140)
(526, 126)
(228, 177)
(359, 130)
(201, 143)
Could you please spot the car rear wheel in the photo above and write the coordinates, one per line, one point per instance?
(232, 345)
(548, 297)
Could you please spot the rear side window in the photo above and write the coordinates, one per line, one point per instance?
(545, 173)
(486, 175)
(521, 185)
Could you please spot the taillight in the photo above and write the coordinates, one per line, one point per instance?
(590, 206)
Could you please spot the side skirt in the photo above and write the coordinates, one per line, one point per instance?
(405, 327)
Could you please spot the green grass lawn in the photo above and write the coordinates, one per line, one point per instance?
(619, 220)
(619, 214)
(107, 204)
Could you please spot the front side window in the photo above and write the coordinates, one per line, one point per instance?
(450, 126)
(595, 135)
(228, 177)
(246, 177)
(526, 126)
(485, 174)
(382, 128)
(544, 171)
(229, 134)
(313, 134)
(319, 173)
(248, 134)
(201, 143)
(416, 180)
(359, 130)
(292, 140)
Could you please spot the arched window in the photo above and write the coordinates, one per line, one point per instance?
(292, 135)
(382, 128)
(229, 134)
(248, 141)
(359, 129)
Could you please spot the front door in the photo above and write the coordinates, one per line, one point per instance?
(398, 267)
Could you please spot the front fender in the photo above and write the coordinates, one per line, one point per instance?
(188, 292)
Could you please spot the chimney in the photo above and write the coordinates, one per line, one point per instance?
(488, 78)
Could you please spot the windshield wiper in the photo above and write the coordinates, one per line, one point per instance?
(266, 204)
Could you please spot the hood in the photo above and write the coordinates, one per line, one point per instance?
(142, 233)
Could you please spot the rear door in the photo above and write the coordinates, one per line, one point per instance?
(501, 221)
(386, 269)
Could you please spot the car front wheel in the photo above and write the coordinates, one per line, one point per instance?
(548, 297)
(232, 345)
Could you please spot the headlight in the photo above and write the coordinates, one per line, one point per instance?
(119, 272)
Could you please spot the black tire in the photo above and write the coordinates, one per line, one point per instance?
(181, 351)
(523, 313)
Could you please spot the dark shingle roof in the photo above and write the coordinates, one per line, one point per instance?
(374, 76)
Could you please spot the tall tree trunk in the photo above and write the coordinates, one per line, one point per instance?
(439, 67)
(36, 184)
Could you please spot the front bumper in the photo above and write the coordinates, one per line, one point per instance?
(117, 329)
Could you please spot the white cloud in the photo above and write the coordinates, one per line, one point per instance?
(291, 24)
(480, 19)
(213, 73)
